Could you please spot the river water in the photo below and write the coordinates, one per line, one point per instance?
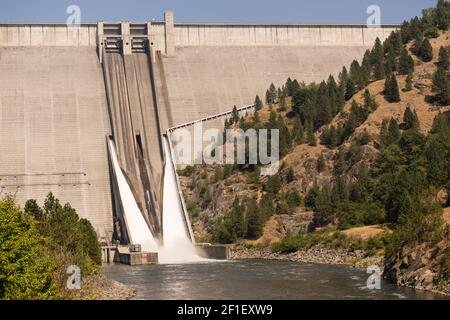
(254, 279)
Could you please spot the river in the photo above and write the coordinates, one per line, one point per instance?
(254, 279)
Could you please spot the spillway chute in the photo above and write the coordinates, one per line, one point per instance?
(137, 228)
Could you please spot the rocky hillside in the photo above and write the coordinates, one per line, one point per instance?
(211, 190)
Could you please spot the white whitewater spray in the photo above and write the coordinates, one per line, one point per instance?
(139, 232)
(177, 247)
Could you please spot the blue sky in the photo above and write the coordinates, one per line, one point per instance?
(275, 11)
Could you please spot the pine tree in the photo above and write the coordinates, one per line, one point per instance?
(426, 51)
(444, 62)
(234, 115)
(391, 90)
(339, 163)
(349, 89)
(289, 87)
(369, 101)
(366, 67)
(409, 82)
(443, 14)
(272, 94)
(237, 219)
(410, 119)
(417, 48)
(438, 163)
(323, 207)
(384, 134)
(255, 221)
(311, 138)
(339, 191)
(364, 138)
(406, 63)
(355, 74)
(298, 132)
(441, 86)
(321, 164)
(258, 103)
(378, 60)
(393, 131)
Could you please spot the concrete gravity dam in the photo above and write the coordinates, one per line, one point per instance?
(75, 98)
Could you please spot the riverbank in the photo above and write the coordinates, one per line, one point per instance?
(320, 254)
(100, 287)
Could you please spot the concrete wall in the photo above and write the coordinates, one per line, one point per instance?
(12, 35)
(206, 80)
(166, 36)
(290, 35)
(53, 123)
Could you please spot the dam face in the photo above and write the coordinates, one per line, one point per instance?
(64, 91)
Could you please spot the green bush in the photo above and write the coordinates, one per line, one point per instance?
(431, 32)
(221, 231)
(193, 209)
(293, 199)
(288, 244)
(186, 172)
(26, 268)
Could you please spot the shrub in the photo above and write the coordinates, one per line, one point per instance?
(186, 172)
(431, 32)
(25, 266)
(193, 209)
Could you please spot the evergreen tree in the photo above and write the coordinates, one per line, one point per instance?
(311, 196)
(438, 163)
(258, 103)
(366, 67)
(321, 164)
(364, 138)
(311, 138)
(290, 176)
(443, 14)
(411, 119)
(394, 90)
(393, 132)
(409, 82)
(343, 78)
(441, 86)
(350, 89)
(289, 87)
(378, 60)
(323, 208)
(237, 219)
(255, 221)
(369, 101)
(426, 51)
(271, 95)
(356, 75)
(391, 90)
(444, 62)
(339, 192)
(339, 163)
(234, 115)
(298, 133)
(406, 63)
(384, 133)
